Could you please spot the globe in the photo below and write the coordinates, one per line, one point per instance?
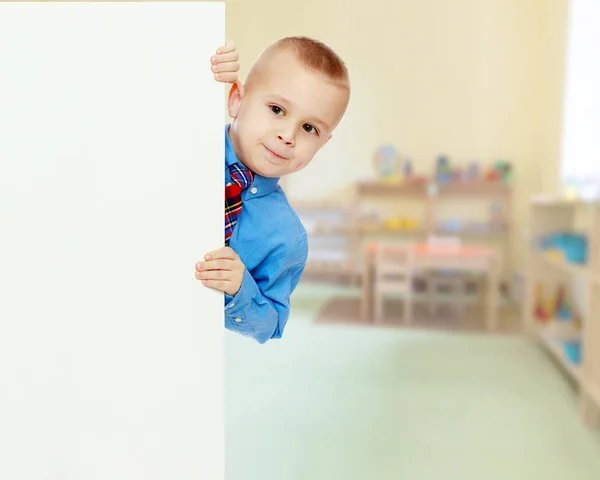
(386, 161)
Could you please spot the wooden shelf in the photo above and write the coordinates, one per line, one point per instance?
(339, 230)
(320, 266)
(550, 214)
(483, 188)
(383, 230)
(349, 224)
(391, 188)
(562, 265)
(554, 347)
(557, 201)
(473, 233)
(474, 188)
(322, 205)
(375, 228)
(594, 393)
(334, 219)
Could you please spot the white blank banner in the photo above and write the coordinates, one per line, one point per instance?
(111, 188)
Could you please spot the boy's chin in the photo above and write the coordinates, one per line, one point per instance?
(268, 173)
(266, 169)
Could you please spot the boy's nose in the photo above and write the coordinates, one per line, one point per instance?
(287, 138)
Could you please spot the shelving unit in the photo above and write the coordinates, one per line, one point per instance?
(555, 349)
(336, 244)
(554, 215)
(433, 196)
(430, 200)
(333, 237)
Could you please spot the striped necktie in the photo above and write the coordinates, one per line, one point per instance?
(241, 178)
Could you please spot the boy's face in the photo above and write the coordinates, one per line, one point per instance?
(285, 116)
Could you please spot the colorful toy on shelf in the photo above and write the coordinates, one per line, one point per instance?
(443, 173)
(562, 324)
(448, 226)
(561, 306)
(394, 223)
(540, 310)
(501, 171)
(411, 224)
(386, 161)
(492, 176)
(569, 247)
(572, 351)
(564, 312)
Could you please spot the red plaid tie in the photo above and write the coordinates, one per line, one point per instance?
(241, 178)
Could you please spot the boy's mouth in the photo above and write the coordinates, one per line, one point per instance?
(276, 155)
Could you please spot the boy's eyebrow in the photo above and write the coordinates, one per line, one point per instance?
(284, 101)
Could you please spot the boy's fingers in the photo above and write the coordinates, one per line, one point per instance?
(228, 47)
(221, 264)
(225, 58)
(213, 275)
(226, 67)
(226, 77)
(223, 253)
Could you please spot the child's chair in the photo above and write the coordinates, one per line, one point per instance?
(394, 273)
(444, 280)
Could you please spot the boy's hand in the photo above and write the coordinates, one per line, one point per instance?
(222, 270)
(225, 64)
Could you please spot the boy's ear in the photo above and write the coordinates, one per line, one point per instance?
(236, 93)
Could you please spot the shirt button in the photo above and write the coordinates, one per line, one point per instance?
(238, 320)
(254, 190)
(232, 304)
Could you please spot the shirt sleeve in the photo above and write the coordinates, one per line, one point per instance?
(261, 308)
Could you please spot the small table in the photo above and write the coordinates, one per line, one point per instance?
(467, 258)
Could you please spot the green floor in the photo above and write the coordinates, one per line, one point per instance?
(340, 403)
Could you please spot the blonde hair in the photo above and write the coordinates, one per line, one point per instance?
(313, 54)
(317, 56)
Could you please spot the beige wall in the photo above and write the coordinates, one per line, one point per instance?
(470, 78)
(552, 46)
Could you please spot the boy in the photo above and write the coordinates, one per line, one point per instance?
(294, 97)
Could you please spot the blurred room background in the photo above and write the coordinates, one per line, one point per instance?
(448, 322)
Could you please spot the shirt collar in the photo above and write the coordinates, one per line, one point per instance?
(264, 185)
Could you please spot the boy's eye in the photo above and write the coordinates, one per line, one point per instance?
(309, 128)
(276, 109)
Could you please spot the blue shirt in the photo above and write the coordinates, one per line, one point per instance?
(273, 245)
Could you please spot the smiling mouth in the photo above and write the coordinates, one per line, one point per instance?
(274, 154)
